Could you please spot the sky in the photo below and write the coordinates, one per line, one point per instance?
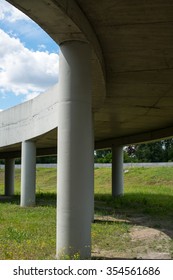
(29, 58)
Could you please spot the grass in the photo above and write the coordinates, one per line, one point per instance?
(27, 234)
(131, 226)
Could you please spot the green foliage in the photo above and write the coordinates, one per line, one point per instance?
(168, 149)
(42, 159)
(151, 152)
(160, 151)
(103, 156)
(48, 159)
(129, 158)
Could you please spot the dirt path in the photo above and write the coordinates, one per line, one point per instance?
(146, 242)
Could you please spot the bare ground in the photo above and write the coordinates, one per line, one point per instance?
(145, 240)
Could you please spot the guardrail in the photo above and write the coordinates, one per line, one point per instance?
(106, 165)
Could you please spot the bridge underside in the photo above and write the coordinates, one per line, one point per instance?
(115, 88)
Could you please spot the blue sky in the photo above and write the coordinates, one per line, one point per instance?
(23, 44)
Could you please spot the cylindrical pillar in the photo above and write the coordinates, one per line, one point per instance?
(75, 152)
(117, 171)
(9, 176)
(92, 192)
(28, 174)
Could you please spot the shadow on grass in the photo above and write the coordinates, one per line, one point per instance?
(15, 199)
(131, 205)
(42, 199)
(150, 210)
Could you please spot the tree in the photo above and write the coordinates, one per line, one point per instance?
(103, 156)
(168, 149)
(130, 154)
(159, 151)
(151, 152)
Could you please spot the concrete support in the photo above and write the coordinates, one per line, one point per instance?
(92, 184)
(117, 171)
(9, 176)
(28, 174)
(75, 152)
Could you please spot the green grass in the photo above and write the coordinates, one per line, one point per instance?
(106, 234)
(29, 233)
(147, 190)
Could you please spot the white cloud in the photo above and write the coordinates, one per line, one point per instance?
(31, 95)
(23, 71)
(26, 67)
(10, 13)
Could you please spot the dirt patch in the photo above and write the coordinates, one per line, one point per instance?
(143, 233)
(154, 256)
(145, 242)
(154, 244)
(108, 218)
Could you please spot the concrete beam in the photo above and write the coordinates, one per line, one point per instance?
(75, 152)
(146, 137)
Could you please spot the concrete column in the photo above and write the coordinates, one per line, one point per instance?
(75, 152)
(117, 171)
(28, 174)
(9, 176)
(92, 193)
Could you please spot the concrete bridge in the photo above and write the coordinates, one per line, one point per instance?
(115, 88)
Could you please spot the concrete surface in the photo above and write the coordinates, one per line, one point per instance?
(132, 44)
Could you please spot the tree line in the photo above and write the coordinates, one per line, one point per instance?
(43, 159)
(160, 151)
